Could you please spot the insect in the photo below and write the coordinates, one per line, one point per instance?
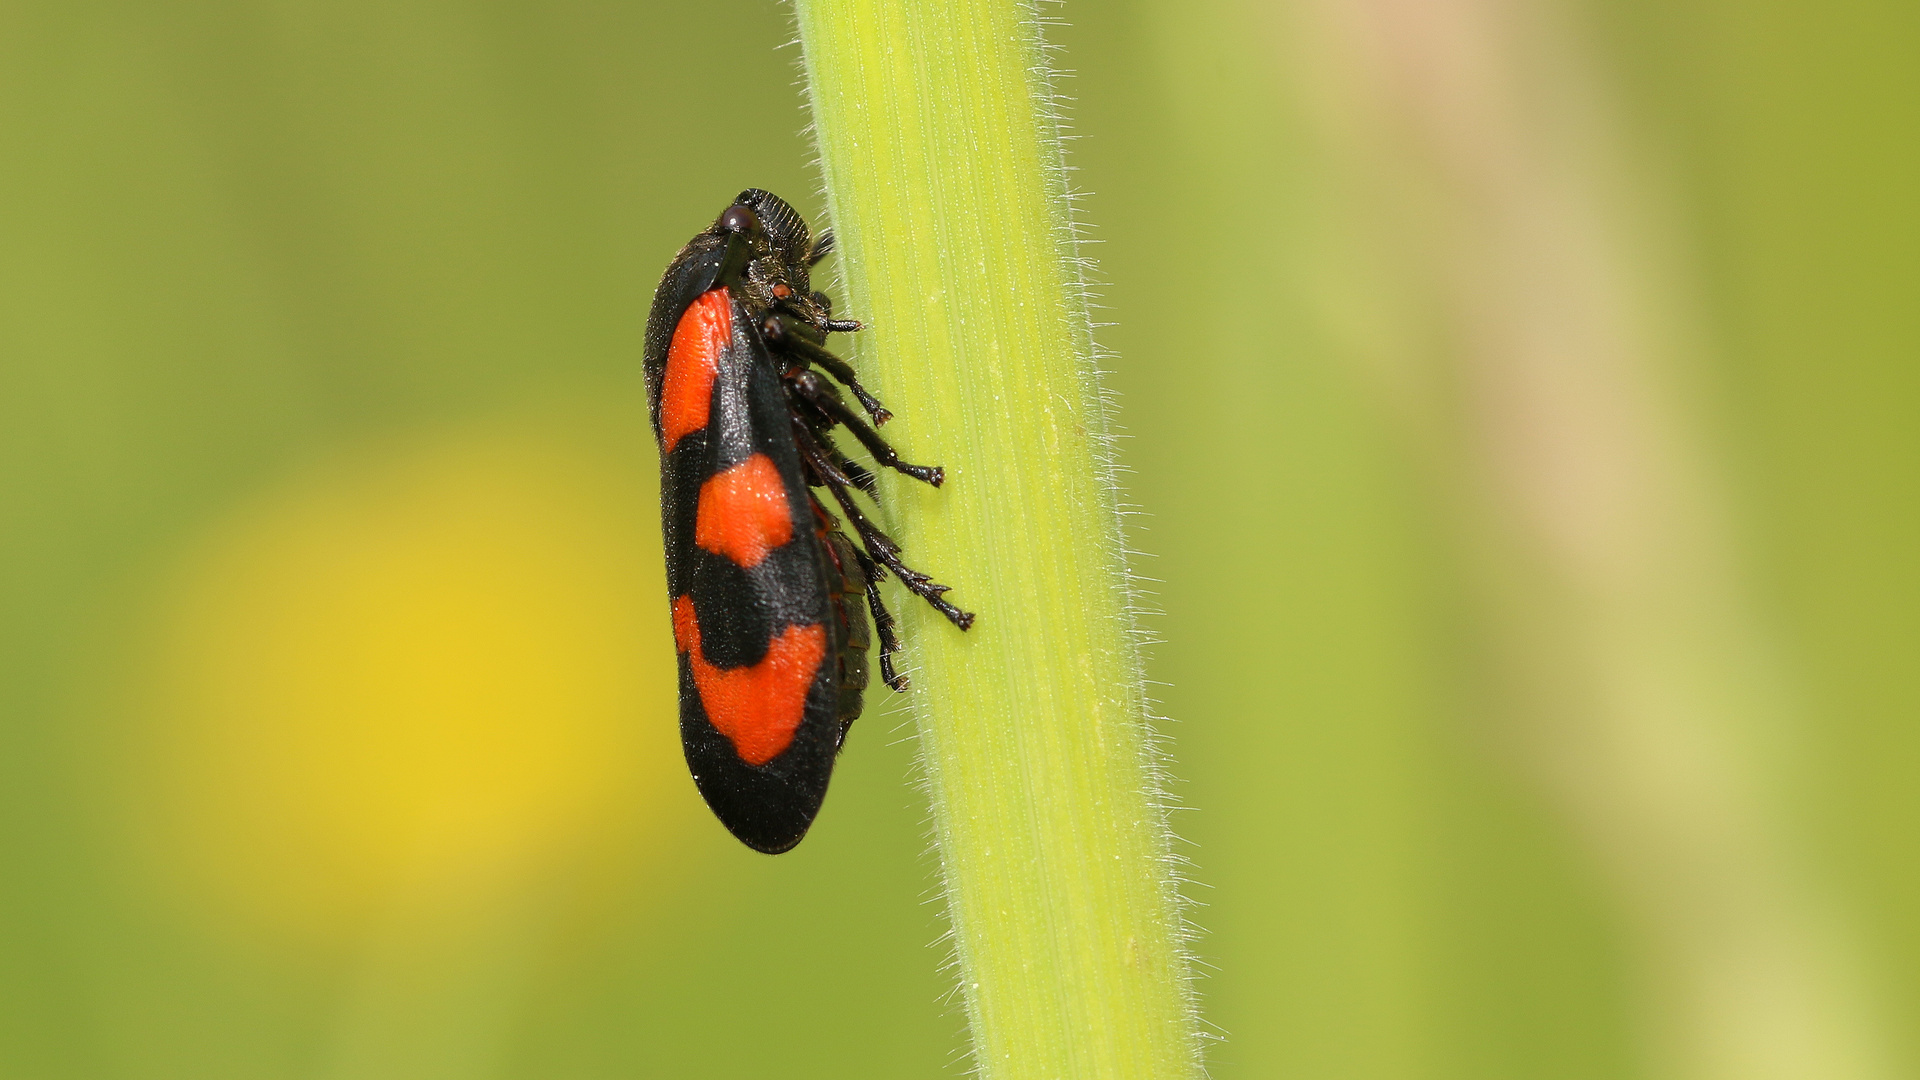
(769, 595)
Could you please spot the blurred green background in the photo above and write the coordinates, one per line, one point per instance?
(336, 734)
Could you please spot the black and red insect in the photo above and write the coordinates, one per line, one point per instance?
(769, 596)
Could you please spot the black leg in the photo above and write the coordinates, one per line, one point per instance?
(781, 335)
(880, 547)
(882, 623)
(871, 535)
(885, 553)
(861, 476)
(825, 472)
(820, 357)
(817, 392)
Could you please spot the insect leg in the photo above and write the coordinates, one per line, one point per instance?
(820, 356)
(885, 554)
(782, 336)
(828, 325)
(824, 462)
(860, 476)
(818, 393)
(883, 623)
(820, 457)
(845, 469)
(881, 548)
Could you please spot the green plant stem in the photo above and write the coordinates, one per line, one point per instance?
(943, 178)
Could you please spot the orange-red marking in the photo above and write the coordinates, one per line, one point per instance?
(758, 708)
(743, 512)
(693, 359)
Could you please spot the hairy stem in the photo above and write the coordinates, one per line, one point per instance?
(942, 168)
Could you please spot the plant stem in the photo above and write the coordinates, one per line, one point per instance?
(943, 174)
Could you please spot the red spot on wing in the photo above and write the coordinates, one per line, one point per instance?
(759, 707)
(693, 359)
(743, 512)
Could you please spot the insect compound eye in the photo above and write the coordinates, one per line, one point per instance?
(739, 219)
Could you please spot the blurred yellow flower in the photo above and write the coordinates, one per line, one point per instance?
(429, 667)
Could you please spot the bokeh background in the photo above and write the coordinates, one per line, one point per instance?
(1522, 402)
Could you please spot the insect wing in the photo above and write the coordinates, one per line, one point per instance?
(693, 273)
(749, 575)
